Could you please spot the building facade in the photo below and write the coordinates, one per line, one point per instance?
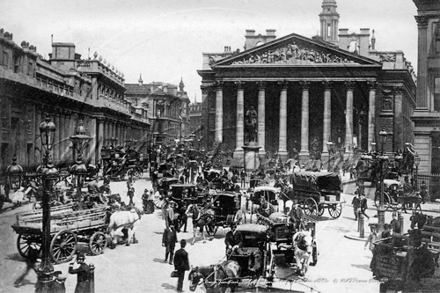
(167, 110)
(426, 116)
(68, 89)
(307, 92)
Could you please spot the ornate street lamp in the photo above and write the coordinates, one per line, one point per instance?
(15, 174)
(49, 175)
(79, 170)
(79, 140)
(417, 163)
(381, 211)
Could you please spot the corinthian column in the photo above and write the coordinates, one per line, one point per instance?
(327, 117)
(371, 113)
(282, 148)
(349, 118)
(304, 153)
(262, 117)
(219, 112)
(239, 141)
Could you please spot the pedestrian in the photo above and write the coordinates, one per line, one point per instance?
(243, 178)
(372, 238)
(356, 203)
(130, 195)
(386, 234)
(83, 274)
(423, 191)
(58, 285)
(181, 264)
(395, 224)
(169, 216)
(364, 205)
(169, 241)
(31, 263)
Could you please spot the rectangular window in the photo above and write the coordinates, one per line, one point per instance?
(5, 59)
(437, 94)
(31, 69)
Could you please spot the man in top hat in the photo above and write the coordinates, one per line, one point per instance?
(233, 240)
(181, 264)
(58, 285)
(169, 241)
(296, 216)
(83, 272)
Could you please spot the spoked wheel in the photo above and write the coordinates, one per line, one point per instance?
(310, 207)
(97, 243)
(335, 210)
(63, 246)
(321, 210)
(24, 241)
(386, 200)
(158, 203)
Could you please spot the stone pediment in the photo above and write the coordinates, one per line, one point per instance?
(293, 50)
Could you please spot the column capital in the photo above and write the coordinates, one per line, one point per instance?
(261, 84)
(327, 84)
(422, 21)
(372, 84)
(305, 84)
(349, 84)
(218, 85)
(398, 90)
(206, 90)
(284, 84)
(240, 84)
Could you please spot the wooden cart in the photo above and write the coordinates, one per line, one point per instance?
(67, 228)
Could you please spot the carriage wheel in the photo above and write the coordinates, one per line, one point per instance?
(321, 210)
(310, 207)
(24, 241)
(314, 254)
(63, 246)
(335, 210)
(97, 243)
(386, 200)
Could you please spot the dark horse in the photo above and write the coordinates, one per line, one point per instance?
(211, 276)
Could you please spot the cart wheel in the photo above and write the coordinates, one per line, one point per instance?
(63, 246)
(314, 254)
(321, 210)
(310, 207)
(97, 243)
(24, 241)
(335, 210)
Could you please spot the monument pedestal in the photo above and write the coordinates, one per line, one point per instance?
(251, 157)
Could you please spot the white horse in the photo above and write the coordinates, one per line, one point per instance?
(121, 220)
(303, 245)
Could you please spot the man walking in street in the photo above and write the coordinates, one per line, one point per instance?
(83, 272)
(31, 260)
(169, 241)
(181, 264)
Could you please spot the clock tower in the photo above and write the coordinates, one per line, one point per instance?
(329, 19)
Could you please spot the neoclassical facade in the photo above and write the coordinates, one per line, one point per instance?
(68, 89)
(426, 116)
(307, 92)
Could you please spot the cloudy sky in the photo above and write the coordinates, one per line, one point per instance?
(164, 39)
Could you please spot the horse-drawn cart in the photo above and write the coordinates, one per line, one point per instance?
(67, 228)
(315, 192)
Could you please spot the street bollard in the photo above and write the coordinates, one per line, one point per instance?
(400, 218)
(361, 225)
(92, 277)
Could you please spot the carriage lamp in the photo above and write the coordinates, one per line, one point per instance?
(79, 170)
(383, 138)
(80, 139)
(14, 174)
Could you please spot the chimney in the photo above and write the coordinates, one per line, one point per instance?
(250, 33)
(373, 42)
(165, 88)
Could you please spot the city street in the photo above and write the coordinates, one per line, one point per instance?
(343, 264)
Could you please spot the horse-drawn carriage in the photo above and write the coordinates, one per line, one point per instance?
(67, 228)
(395, 199)
(315, 192)
(118, 163)
(225, 206)
(266, 198)
(255, 264)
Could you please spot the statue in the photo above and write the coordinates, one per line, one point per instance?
(251, 124)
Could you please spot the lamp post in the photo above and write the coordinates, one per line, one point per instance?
(417, 163)
(79, 169)
(381, 211)
(49, 174)
(329, 149)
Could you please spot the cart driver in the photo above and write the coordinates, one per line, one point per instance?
(296, 216)
(233, 240)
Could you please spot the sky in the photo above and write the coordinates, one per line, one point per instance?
(163, 40)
